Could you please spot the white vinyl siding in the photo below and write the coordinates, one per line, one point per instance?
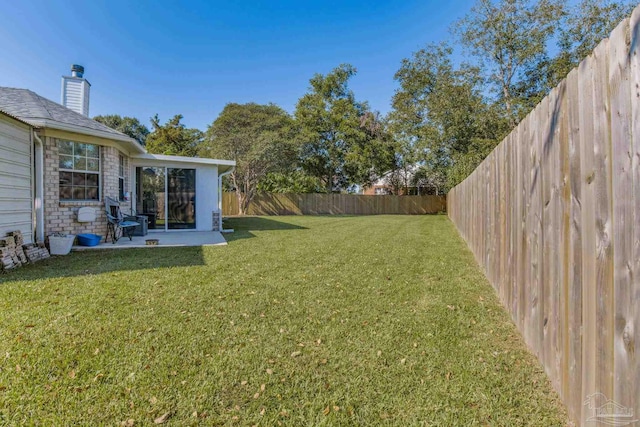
(75, 94)
(16, 196)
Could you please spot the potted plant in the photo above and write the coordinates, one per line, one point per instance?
(60, 243)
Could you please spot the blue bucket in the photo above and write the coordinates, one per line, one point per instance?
(89, 239)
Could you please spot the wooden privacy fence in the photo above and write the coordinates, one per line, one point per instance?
(335, 204)
(553, 217)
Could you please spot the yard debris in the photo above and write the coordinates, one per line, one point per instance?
(14, 253)
(163, 418)
(296, 353)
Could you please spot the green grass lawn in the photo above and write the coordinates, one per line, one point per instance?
(299, 321)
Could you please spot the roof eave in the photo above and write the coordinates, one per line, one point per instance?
(51, 124)
(33, 125)
(185, 159)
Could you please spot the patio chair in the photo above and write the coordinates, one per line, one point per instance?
(117, 223)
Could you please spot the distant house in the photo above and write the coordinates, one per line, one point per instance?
(55, 159)
(403, 182)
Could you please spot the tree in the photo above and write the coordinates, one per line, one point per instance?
(372, 154)
(438, 113)
(443, 118)
(173, 138)
(398, 180)
(581, 30)
(462, 164)
(128, 125)
(587, 24)
(342, 143)
(508, 37)
(429, 180)
(258, 138)
(296, 182)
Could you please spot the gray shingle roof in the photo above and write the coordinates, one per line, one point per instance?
(34, 109)
(16, 118)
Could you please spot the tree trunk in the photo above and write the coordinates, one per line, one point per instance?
(246, 202)
(242, 207)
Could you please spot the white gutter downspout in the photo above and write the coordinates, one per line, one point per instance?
(220, 197)
(39, 187)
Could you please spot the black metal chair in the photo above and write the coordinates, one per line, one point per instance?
(118, 224)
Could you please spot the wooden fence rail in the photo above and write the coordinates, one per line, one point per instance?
(335, 204)
(553, 217)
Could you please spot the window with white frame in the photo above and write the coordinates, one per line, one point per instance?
(79, 170)
(121, 168)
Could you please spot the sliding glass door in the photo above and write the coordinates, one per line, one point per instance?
(167, 196)
(150, 195)
(181, 190)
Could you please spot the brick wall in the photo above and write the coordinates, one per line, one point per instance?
(61, 216)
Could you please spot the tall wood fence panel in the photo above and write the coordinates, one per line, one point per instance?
(553, 217)
(335, 204)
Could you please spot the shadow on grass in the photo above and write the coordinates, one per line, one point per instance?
(243, 226)
(98, 262)
(84, 263)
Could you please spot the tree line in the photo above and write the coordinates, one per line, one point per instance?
(446, 115)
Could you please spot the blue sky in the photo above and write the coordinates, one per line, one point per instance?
(191, 58)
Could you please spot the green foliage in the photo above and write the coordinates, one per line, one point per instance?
(290, 182)
(582, 29)
(258, 137)
(428, 179)
(443, 120)
(173, 138)
(438, 114)
(128, 125)
(465, 163)
(373, 154)
(508, 36)
(590, 22)
(342, 143)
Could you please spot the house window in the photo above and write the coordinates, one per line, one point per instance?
(121, 177)
(380, 191)
(79, 171)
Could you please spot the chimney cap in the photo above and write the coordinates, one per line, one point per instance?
(77, 70)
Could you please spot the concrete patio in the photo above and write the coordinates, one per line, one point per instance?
(165, 239)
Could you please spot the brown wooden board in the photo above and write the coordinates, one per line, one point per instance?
(623, 216)
(588, 249)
